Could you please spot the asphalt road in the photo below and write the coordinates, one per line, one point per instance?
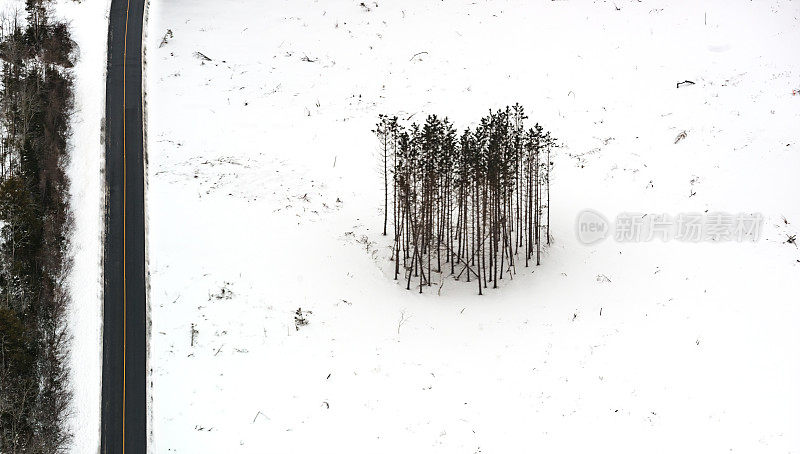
(124, 406)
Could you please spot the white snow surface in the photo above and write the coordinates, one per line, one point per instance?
(88, 21)
(264, 196)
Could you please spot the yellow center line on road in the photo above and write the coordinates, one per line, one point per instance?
(124, 224)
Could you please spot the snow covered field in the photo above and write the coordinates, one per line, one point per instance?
(264, 197)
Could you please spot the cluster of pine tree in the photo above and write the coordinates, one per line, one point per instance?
(35, 105)
(466, 204)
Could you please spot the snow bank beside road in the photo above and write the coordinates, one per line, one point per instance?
(89, 28)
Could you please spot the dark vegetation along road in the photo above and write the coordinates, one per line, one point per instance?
(124, 407)
(36, 59)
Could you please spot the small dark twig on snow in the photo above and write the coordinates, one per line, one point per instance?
(202, 56)
(257, 415)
